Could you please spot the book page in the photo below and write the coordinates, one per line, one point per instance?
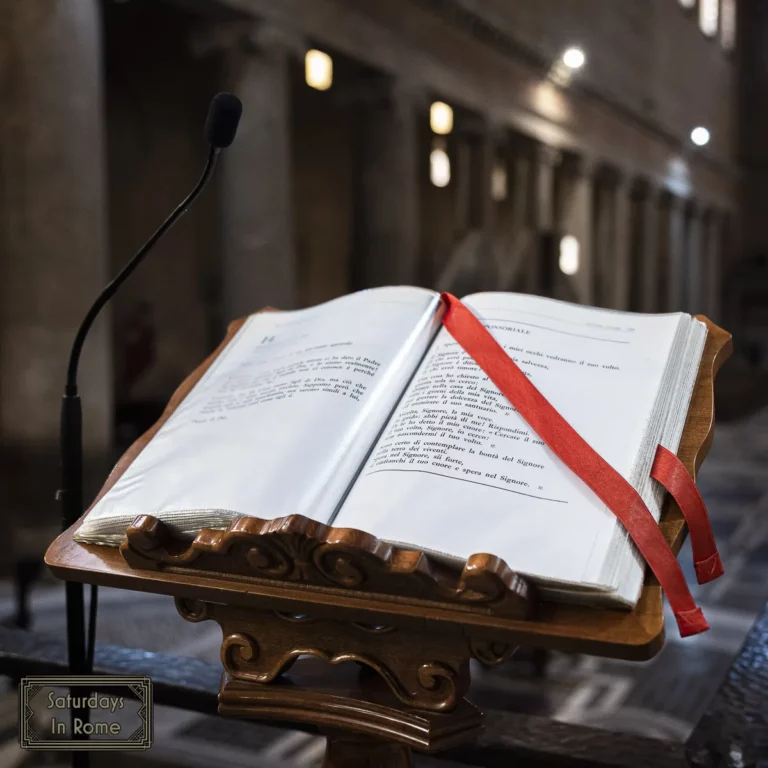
(285, 416)
(458, 471)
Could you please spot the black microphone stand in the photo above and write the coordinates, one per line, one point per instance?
(71, 442)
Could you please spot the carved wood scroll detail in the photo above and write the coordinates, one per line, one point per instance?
(426, 671)
(490, 652)
(296, 550)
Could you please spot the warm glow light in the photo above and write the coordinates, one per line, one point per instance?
(687, 3)
(700, 136)
(569, 255)
(709, 12)
(498, 181)
(574, 58)
(549, 101)
(441, 118)
(439, 168)
(728, 24)
(318, 70)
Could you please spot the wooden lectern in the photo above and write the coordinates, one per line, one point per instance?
(286, 588)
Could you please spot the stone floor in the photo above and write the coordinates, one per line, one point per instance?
(662, 698)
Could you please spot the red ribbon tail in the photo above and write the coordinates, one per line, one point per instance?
(672, 474)
(691, 622)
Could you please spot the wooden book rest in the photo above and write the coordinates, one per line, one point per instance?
(291, 587)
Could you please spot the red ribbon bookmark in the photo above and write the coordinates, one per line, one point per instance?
(609, 486)
(672, 474)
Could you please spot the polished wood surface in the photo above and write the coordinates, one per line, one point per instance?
(349, 701)
(423, 670)
(364, 725)
(636, 634)
(294, 549)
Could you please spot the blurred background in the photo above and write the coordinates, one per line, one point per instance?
(605, 152)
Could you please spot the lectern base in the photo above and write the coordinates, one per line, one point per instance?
(346, 750)
(366, 726)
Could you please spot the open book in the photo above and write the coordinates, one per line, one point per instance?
(364, 413)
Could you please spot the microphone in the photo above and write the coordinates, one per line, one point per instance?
(223, 118)
(220, 128)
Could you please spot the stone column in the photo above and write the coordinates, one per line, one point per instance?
(258, 255)
(390, 187)
(547, 160)
(574, 216)
(694, 262)
(647, 203)
(53, 254)
(712, 266)
(612, 239)
(522, 184)
(462, 178)
(623, 251)
(673, 254)
(482, 209)
(604, 238)
(515, 248)
(543, 162)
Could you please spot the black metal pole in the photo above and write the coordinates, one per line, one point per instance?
(71, 498)
(70, 495)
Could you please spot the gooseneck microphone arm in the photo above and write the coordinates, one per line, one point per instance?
(127, 270)
(220, 128)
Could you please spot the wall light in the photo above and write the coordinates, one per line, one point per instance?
(441, 118)
(439, 168)
(569, 255)
(709, 16)
(574, 58)
(700, 136)
(318, 70)
(728, 24)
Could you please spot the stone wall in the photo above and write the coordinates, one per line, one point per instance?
(646, 56)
